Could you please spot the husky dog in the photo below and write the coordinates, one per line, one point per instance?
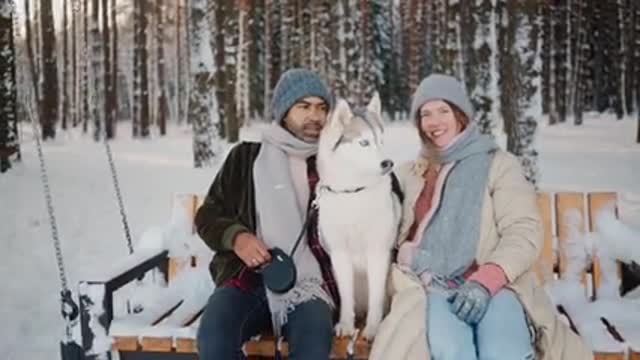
(358, 212)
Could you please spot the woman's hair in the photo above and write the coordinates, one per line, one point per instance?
(458, 114)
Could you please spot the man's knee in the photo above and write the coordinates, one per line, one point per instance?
(229, 318)
(310, 330)
(212, 343)
(213, 337)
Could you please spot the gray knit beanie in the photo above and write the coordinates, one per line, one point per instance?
(294, 85)
(441, 87)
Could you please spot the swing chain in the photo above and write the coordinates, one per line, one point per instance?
(69, 308)
(49, 201)
(116, 185)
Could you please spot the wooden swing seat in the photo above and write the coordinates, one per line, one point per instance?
(170, 333)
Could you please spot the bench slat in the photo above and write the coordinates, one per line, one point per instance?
(596, 202)
(186, 345)
(188, 203)
(546, 262)
(159, 344)
(566, 202)
(125, 343)
(608, 356)
(199, 201)
(266, 347)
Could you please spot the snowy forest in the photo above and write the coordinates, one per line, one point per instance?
(98, 65)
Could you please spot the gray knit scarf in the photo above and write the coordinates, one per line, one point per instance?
(280, 219)
(449, 242)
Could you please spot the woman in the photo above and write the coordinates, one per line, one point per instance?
(464, 287)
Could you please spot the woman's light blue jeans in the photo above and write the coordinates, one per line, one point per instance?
(503, 332)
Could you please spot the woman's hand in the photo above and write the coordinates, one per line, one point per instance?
(470, 302)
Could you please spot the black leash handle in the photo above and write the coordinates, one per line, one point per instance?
(310, 213)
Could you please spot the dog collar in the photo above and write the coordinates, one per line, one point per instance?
(348, 191)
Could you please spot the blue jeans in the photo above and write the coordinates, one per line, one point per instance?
(232, 316)
(503, 332)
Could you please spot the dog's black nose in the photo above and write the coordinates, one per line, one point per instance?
(386, 164)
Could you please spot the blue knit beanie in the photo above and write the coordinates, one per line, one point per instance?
(294, 85)
(441, 87)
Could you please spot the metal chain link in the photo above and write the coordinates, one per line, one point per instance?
(49, 201)
(116, 185)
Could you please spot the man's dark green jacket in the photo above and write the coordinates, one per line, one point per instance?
(229, 209)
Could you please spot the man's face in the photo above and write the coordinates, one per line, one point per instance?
(306, 118)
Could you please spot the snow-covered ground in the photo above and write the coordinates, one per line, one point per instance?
(600, 155)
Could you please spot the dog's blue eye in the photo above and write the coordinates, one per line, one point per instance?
(364, 142)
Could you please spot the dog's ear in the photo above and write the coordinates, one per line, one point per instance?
(375, 108)
(342, 114)
(374, 104)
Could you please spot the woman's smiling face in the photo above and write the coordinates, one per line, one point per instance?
(438, 123)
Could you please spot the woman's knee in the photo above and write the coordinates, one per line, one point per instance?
(504, 332)
(448, 337)
(451, 350)
(505, 350)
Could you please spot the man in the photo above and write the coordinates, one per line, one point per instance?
(260, 200)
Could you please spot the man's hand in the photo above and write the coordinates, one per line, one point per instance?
(470, 302)
(251, 250)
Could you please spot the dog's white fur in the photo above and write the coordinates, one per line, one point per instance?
(357, 228)
(620, 240)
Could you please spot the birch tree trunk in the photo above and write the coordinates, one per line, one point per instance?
(8, 90)
(163, 106)
(202, 103)
(49, 105)
(97, 72)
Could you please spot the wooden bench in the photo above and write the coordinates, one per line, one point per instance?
(163, 334)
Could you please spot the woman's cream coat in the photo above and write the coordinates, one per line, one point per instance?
(511, 236)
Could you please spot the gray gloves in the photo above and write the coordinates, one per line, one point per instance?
(470, 302)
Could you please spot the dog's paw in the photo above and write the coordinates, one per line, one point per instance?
(344, 329)
(370, 331)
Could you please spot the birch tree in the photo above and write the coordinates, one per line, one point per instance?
(114, 100)
(107, 82)
(270, 24)
(65, 66)
(49, 102)
(140, 71)
(85, 67)
(242, 63)
(480, 72)
(8, 90)
(202, 107)
(520, 66)
(163, 106)
(97, 72)
(636, 61)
